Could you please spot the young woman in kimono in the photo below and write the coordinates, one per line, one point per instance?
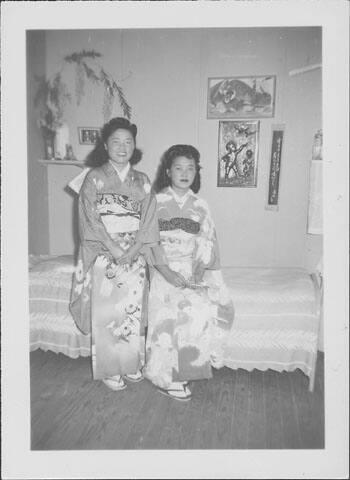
(117, 226)
(190, 310)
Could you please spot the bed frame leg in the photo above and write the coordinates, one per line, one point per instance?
(312, 374)
(312, 381)
(318, 285)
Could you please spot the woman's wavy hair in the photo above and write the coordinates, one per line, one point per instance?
(99, 155)
(162, 179)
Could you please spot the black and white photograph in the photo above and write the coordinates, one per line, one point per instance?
(158, 318)
(88, 136)
(254, 361)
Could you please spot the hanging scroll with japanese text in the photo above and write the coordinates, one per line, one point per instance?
(275, 166)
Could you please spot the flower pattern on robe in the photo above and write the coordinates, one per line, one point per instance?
(111, 212)
(108, 299)
(187, 328)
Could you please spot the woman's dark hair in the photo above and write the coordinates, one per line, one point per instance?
(162, 179)
(99, 155)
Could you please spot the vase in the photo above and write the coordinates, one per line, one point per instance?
(69, 153)
(317, 146)
(61, 141)
(49, 143)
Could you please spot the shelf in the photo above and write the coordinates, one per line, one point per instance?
(76, 163)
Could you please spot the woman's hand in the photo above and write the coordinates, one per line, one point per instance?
(129, 256)
(172, 277)
(176, 279)
(116, 253)
(198, 272)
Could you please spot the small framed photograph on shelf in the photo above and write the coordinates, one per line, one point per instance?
(88, 135)
(241, 97)
(238, 153)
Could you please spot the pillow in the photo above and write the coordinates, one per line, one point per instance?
(34, 259)
(49, 263)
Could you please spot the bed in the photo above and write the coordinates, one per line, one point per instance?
(51, 324)
(277, 315)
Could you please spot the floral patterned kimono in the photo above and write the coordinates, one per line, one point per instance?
(187, 328)
(107, 300)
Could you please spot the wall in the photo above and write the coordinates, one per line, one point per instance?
(164, 75)
(247, 230)
(38, 208)
(63, 223)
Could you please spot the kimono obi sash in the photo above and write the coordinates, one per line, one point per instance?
(178, 245)
(119, 213)
(186, 224)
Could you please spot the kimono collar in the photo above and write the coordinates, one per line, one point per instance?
(123, 174)
(181, 200)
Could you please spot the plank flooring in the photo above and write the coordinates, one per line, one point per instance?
(235, 409)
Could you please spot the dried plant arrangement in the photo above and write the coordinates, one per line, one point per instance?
(53, 94)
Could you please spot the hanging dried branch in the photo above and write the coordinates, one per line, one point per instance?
(79, 83)
(90, 74)
(108, 101)
(112, 87)
(77, 57)
(53, 94)
(123, 103)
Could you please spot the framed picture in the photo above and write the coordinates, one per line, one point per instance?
(241, 97)
(275, 166)
(88, 136)
(238, 153)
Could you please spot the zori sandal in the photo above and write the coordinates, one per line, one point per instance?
(115, 383)
(183, 394)
(134, 377)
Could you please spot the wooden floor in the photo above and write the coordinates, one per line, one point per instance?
(234, 410)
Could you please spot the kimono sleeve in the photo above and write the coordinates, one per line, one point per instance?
(91, 228)
(148, 234)
(207, 248)
(154, 254)
(148, 230)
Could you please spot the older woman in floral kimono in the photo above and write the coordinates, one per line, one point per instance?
(190, 311)
(118, 225)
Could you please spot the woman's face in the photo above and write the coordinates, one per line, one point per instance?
(120, 147)
(182, 173)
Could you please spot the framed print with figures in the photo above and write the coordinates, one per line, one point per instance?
(238, 153)
(241, 97)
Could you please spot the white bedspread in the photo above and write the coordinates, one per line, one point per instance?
(276, 315)
(276, 319)
(51, 324)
